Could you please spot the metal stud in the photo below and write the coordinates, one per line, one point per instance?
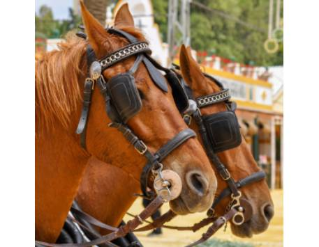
(95, 70)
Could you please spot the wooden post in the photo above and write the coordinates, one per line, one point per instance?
(273, 152)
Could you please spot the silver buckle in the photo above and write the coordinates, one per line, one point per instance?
(91, 80)
(211, 213)
(144, 148)
(227, 175)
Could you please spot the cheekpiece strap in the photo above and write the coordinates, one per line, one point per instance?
(88, 89)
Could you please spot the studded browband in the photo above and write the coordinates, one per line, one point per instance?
(124, 53)
(214, 98)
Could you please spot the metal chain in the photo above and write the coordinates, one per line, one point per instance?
(126, 52)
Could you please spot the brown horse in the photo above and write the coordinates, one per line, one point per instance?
(239, 161)
(96, 196)
(60, 160)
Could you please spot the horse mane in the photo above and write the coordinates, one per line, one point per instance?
(57, 90)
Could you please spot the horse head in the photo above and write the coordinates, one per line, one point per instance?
(238, 159)
(154, 119)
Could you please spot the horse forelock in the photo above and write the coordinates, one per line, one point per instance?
(57, 88)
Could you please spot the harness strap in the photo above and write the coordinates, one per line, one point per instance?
(222, 170)
(121, 231)
(126, 35)
(215, 227)
(81, 129)
(130, 137)
(172, 144)
(162, 153)
(159, 222)
(214, 98)
(87, 228)
(122, 54)
(91, 220)
(156, 76)
(255, 177)
(168, 216)
(88, 89)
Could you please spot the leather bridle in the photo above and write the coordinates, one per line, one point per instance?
(163, 187)
(242, 205)
(95, 74)
(239, 209)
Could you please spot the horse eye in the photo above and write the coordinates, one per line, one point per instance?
(141, 94)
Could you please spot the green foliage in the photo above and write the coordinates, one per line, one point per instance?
(223, 36)
(219, 243)
(44, 22)
(160, 15)
(51, 28)
(209, 31)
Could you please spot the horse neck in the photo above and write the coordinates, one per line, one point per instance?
(60, 164)
(107, 192)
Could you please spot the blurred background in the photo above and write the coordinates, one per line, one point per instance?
(240, 42)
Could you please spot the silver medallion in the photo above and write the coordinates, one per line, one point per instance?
(95, 70)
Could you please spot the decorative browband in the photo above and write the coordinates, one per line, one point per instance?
(125, 52)
(213, 98)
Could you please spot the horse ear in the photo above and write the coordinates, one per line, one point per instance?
(191, 71)
(189, 50)
(124, 17)
(94, 30)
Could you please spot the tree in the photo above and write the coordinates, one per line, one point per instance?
(215, 29)
(160, 16)
(45, 23)
(98, 9)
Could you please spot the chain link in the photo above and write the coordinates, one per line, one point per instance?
(126, 52)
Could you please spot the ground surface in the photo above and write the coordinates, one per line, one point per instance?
(272, 237)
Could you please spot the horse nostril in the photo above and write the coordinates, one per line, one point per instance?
(197, 183)
(268, 212)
